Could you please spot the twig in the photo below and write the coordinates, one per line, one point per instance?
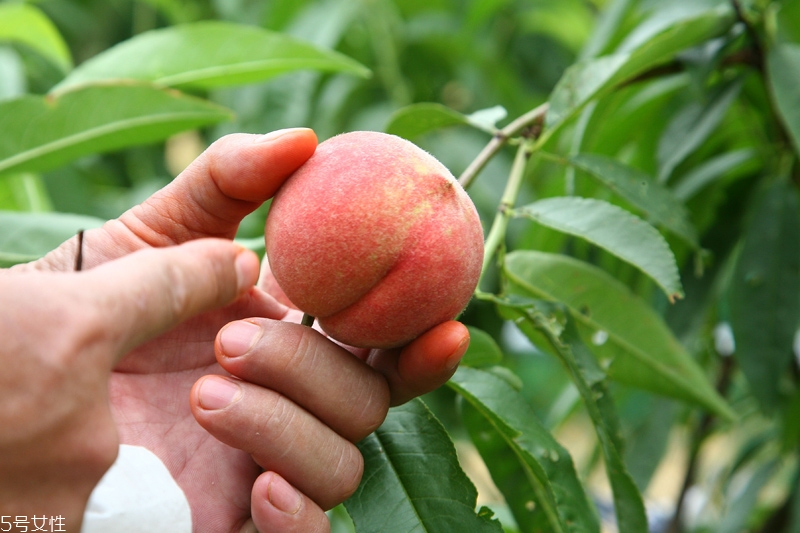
(79, 254)
(700, 434)
(308, 320)
(496, 236)
(533, 117)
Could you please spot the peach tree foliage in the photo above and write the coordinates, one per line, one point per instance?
(634, 163)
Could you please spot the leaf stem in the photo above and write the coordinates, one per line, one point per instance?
(308, 320)
(496, 237)
(532, 118)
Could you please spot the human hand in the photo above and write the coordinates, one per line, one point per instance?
(149, 387)
(62, 335)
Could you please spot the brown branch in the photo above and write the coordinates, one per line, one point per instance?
(698, 438)
(532, 119)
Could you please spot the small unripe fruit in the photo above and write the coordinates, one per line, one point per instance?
(375, 238)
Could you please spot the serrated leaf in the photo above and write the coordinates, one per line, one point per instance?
(527, 464)
(658, 203)
(483, 349)
(412, 479)
(764, 303)
(416, 119)
(590, 381)
(207, 54)
(29, 236)
(783, 71)
(637, 347)
(655, 45)
(41, 133)
(27, 25)
(613, 229)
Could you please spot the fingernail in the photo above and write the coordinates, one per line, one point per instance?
(237, 338)
(453, 359)
(217, 392)
(283, 496)
(271, 136)
(247, 269)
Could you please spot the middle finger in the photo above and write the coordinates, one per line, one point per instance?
(331, 383)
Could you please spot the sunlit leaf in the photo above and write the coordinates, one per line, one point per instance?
(24, 192)
(12, 74)
(635, 346)
(412, 479)
(487, 119)
(614, 229)
(534, 472)
(26, 24)
(654, 45)
(657, 203)
(207, 54)
(41, 133)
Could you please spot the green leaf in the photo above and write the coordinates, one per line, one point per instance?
(614, 229)
(415, 119)
(41, 133)
(412, 479)
(691, 126)
(710, 170)
(534, 472)
(657, 203)
(590, 381)
(764, 303)
(487, 119)
(27, 25)
(24, 192)
(783, 71)
(744, 498)
(634, 345)
(29, 236)
(208, 54)
(652, 45)
(483, 349)
(13, 82)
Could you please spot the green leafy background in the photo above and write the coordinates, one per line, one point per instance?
(635, 345)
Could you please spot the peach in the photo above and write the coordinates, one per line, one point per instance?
(376, 239)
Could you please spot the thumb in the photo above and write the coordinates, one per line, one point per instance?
(153, 290)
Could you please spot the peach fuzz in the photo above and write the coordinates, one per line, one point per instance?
(376, 239)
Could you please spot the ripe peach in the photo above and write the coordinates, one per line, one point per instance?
(375, 238)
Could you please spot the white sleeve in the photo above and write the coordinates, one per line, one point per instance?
(137, 495)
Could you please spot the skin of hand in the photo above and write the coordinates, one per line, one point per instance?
(254, 416)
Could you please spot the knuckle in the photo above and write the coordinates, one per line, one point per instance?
(375, 404)
(348, 472)
(178, 294)
(279, 424)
